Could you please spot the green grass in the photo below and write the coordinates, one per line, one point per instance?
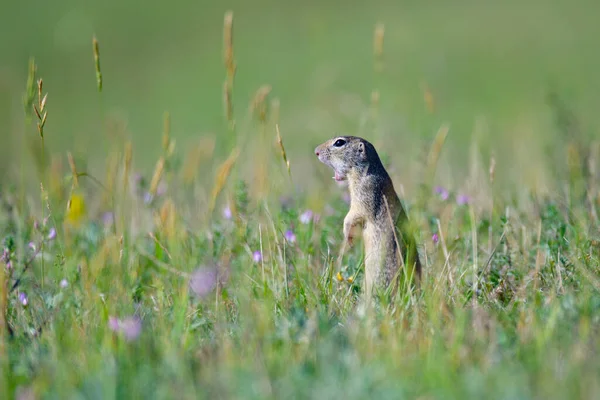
(509, 305)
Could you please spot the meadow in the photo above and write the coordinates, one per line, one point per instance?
(167, 232)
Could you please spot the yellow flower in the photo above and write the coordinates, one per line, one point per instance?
(339, 277)
(75, 209)
(350, 279)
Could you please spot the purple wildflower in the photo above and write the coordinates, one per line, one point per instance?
(148, 198)
(52, 234)
(23, 299)
(32, 246)
(290, 236)
(462, 199)
(435, 238)
(257, 256)
(108, 218)
(131, 327)
(64, 284)
(227, 212)
(113, 324)
(8, 265)
(5, 255)
(442, 192)
(306, 217)
(203, 281)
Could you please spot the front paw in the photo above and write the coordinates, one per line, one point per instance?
(348, 237)
(350, 240)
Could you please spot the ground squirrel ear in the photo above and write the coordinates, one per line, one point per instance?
(361, 149)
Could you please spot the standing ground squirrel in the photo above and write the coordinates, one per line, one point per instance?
(375, 206)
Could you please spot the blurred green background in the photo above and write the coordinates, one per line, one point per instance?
(492, 61)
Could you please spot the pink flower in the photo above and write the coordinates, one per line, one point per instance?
(257, 256)
(130, 327)
(306, 217)
(462, 199)
(290, 236)
(113, 324)
(442, 192)
(108, 218)
(203, 281)
(23, 299)
(148, 198)
(52, 234)
(435, 238)
(227, 212)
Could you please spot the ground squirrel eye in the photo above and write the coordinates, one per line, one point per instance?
(339, 143)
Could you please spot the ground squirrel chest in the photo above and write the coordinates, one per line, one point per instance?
(375, 206)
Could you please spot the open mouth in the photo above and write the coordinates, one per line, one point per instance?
(339, 177)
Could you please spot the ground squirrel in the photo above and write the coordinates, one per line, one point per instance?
(375, 206)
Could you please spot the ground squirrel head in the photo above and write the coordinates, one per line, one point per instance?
(347, 155)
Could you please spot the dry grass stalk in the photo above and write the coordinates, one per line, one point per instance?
(228, 44)
(492, 169)
(223, 173)
(428, 98)
(230, 67)
(171, 148)
(378, 45)
(40, 108)
(436, 149)
(378, 39)
(283, 154)
(194, 157)
(167, 218)
(97, 63)
(158, 170)
(73, 169)
(228, 102)
(259, 103)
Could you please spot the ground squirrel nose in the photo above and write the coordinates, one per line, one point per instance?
(317, 152)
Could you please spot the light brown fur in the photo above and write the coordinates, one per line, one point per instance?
(375, 207)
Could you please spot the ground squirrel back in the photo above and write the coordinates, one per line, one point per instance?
(374, 206)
